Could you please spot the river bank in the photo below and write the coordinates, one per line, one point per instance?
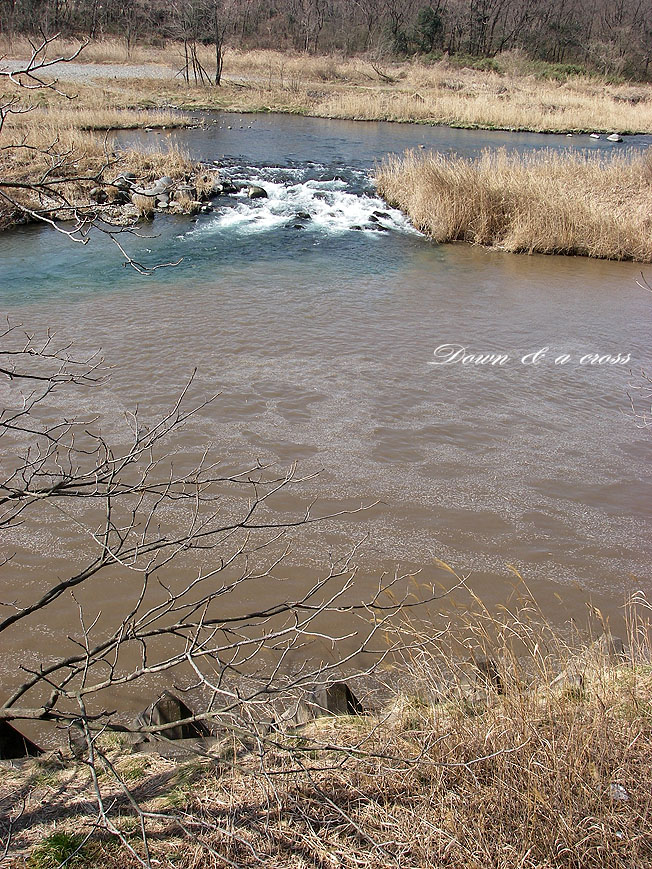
(513, 768)
(510, 95)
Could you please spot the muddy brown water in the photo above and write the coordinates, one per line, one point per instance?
(400, 372)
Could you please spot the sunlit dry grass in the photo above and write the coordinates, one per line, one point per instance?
(517, 98)
(453, 771)
(74, 162)
(546, 202)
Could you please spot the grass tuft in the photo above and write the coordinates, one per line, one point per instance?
(548, 202)
(56, 849)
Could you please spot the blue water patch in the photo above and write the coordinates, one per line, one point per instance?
(330, 220)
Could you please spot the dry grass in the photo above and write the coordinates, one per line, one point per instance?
(104, 51)
(517, 98)
(452, 773)
(79, 161)
(547, 202)
(144, 205)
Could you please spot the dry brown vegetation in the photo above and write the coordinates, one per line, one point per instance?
(522, 770)
(440, 93)
(79, 161)
(548, 202)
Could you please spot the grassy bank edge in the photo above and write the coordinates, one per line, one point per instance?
(549, 773)
(546, 202)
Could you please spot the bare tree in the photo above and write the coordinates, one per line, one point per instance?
(195, 557)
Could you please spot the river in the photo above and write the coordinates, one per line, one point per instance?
(318, 321)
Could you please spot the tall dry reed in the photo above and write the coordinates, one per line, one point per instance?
(547, 202)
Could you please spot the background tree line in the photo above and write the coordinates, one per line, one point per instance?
(608, 36)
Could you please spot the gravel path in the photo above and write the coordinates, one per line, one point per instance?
(87, 72)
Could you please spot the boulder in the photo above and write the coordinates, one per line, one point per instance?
(99, 195)
(607, 649)
(229, 187)
(163, 184)
(254, 191)
(152, 192)
(335, 699)
(302, 215)
(125, 181)
(14, 745)
(610, 647)
(166, 710)
(120, 197)
(183, 192)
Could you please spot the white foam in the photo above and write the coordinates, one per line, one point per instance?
(332, 207)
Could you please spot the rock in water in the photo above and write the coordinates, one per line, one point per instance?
(14, 745)
(256, 192)
(615, 137)
(168, 709)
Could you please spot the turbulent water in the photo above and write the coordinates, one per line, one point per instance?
(316, 312)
